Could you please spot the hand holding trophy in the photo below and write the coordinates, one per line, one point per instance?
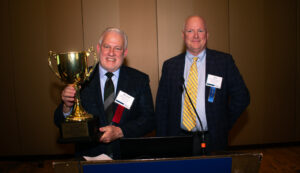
(73, 68)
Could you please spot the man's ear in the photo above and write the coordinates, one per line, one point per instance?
(98, 48)
(125, 52)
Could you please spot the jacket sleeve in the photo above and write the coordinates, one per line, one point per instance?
(161, 111)
(239, 97)
(58, 115)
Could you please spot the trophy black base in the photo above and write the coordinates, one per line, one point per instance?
(79, 132)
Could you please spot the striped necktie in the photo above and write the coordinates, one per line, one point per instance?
(109, 96)
(189, 115)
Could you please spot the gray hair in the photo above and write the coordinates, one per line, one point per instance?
(117, 30)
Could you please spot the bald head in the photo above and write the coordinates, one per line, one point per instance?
(192, 19)
(195, 34)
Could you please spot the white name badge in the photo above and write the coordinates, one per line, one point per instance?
(214, 81)
(124, 99)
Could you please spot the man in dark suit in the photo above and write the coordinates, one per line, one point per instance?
(215, 87)
(110, 73)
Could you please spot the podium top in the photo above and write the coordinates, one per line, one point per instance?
(238, 162)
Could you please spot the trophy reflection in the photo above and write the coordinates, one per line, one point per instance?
(73, 68)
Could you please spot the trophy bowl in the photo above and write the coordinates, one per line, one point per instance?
(74, 68)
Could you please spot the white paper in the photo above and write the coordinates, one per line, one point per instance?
(99, 157)
(124, 99)
(214, 81)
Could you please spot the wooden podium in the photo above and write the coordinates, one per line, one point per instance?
(238, 162)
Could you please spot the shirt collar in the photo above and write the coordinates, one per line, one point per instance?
(102, 72)
(200, 56)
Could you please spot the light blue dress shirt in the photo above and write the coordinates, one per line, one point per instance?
(200, 106)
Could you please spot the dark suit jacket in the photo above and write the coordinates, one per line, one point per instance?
(136, 122)
(230, 101)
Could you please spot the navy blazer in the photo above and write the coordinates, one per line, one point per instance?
(229, 102)
(136, 122)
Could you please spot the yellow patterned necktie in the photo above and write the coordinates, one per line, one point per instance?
(189, 115)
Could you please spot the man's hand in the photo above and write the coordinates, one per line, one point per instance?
(110, 133)
(68, 97)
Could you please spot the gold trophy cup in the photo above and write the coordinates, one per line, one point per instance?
(73, 68)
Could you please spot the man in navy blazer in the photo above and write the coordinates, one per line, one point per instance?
(218, 106)
(136, 122)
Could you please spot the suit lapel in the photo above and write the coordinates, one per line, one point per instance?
(180, 74)
(122, 84)
(209, 69)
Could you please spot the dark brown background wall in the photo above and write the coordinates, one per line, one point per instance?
(262, 36)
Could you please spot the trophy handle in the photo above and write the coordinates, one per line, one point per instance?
(53, 55)
(90, 70)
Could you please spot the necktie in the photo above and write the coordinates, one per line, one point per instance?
(109, 96)
(189, 115)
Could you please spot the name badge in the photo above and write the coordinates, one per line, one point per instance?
(214, 81)
(124, 99)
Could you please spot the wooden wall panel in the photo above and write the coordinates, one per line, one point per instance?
(170, 21)
(298, 75)
(280, 30)
(9, 129)
(27, 41)
(37, 27)
(247, 47)
(138, 20)
(216, 14)
(98, 15)
(262, 34)
(63, 32)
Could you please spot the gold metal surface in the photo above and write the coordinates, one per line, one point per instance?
(73, 68)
